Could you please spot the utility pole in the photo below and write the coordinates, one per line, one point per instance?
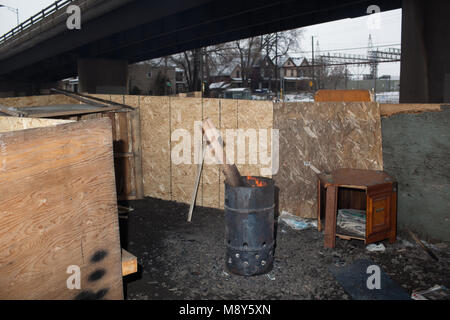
(15, 10)
(166, 80)
(313, 63)
(276, 59)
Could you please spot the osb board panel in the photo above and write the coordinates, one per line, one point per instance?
(155, 140)
(132, 101)
(37, 101)
(255, 114)
(59, 209)
(8, 124)
(228, 120)
(388, 110)
(184, 114)
(177, 180)
(325, 136)
(102, 96)
(210, 174)
(118, 98)
(343, 96)
(258, 116)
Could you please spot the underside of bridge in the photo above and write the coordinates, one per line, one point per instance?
(140, 30)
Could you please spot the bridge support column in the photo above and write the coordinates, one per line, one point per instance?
(16, 88)
(103, 76)
(425, 69)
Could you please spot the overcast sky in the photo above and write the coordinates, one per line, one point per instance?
(339, 36)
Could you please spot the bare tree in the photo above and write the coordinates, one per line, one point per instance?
(199, 64)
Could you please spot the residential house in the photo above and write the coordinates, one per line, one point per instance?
(263, 74)
(231, 73)
(147, 79)
(295, 74)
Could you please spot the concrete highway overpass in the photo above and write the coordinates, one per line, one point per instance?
(116, 33)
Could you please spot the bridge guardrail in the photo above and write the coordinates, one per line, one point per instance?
(24, 26)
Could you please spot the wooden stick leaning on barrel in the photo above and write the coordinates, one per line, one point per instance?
(215, 141)
(197, 182)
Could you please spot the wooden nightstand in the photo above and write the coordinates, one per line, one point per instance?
(372, 191)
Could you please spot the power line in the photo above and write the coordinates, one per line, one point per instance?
(348, 49)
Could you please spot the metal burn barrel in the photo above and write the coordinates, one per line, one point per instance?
(249, 227)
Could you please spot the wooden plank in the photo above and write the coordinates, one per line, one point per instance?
(31, 101)
(347, 237)
(232, 175)
(389, 110)
(58, 111)
(343, 96)
(11, 111)
(135, 117)
(8, 124)
(330, 217)
(197, 182)
(129, 263)
(59, 209)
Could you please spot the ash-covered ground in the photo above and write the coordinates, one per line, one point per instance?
(183, 261)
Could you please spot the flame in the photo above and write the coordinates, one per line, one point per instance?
(258, 183)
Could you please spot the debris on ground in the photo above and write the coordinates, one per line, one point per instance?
(352, 220)
(123, 209)
(297, 223)
(425, 248)
(193, 255)
(434, 293)
(355, 281)
(270, 276)
(376, 247)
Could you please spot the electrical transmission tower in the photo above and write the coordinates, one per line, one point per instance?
(371, 61)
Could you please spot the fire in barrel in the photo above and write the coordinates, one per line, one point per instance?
(249, 227)
(249, 215)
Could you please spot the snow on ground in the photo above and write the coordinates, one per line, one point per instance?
(300, 97)
(388, 97)
(382, 97)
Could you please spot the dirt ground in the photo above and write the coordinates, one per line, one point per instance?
(185, 261)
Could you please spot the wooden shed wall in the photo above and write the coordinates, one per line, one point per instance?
(37, 101)
(59, 209)
(8, 124)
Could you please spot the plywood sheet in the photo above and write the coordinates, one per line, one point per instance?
(8, 124)
(256, 116)
(210, 176)
(181, 114)
(228, 120)
(343, 96)
(388, 110)
(323, 137)
(184, 114)
(33, 101)
(59, 210)
(118, 98)
(155, 136)
(132, 101)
